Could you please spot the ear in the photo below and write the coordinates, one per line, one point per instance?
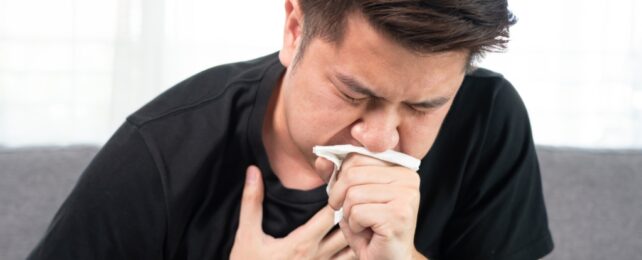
(292, 32)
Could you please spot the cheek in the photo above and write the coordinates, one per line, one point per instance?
(316, 114)
(321, 100)
(416, 140)
(417, 136)
(315, 107)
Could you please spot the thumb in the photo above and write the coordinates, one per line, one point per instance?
(324, 168)
(251, 215)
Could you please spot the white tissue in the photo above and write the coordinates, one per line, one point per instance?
(337, 153)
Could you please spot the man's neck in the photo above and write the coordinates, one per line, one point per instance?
(287, 161)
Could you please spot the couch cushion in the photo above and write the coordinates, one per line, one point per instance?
(35, 181)
(594, 202)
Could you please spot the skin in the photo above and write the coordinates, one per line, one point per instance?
(367, 91)
(309, 241)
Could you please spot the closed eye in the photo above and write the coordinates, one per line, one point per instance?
(416, 111)
(353, 100)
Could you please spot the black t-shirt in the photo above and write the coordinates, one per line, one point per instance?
(168, 184)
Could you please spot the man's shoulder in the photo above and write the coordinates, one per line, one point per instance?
(484, 73)
(484, 81)
(501, 93)
(480, 90)
(486, 102)
(205, 88)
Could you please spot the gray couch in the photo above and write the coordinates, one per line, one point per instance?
(594, 198)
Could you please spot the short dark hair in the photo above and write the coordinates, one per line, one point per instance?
(428, 26)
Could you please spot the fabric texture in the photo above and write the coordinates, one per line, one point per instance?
(168, 184)
(35, 181)
(594, 201)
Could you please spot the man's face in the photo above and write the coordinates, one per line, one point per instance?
(367, 91)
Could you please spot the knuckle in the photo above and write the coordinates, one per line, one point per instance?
(333, 204)
(403, 214)
(333, 198)
(352, 194)
(349, 201)
(250, 195)
(416, 179)
(356, 211)
(353, 158)
(387, 230)
(412, 180)
(415, 197)
(352, 176)
(347, 207)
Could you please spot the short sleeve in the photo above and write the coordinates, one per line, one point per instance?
(501, 212)
(115, 211)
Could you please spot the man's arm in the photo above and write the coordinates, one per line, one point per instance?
(116, 210)
(501, 212)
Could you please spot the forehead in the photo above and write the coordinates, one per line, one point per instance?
(382, 63)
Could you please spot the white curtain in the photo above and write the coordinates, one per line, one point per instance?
(71, 71)
(578, 66)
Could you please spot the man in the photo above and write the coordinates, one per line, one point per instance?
(384, 75)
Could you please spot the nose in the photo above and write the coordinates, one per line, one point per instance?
(377, 130)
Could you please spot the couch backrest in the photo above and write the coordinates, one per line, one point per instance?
(594, 198)
(34, 183)
(594, 202)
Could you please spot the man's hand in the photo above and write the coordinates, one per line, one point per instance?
(308, 241)
(380, 204)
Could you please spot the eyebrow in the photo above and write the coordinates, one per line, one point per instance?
(356, 86)
(433, 103)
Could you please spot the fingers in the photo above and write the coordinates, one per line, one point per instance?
(355, 159)
(370, 193)
(251, 215)
(383, 219)
(332, 243)
(392, 224)
(357, 241)
(324, 168)
(368, 216)
(360, 175)
(317, 227)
